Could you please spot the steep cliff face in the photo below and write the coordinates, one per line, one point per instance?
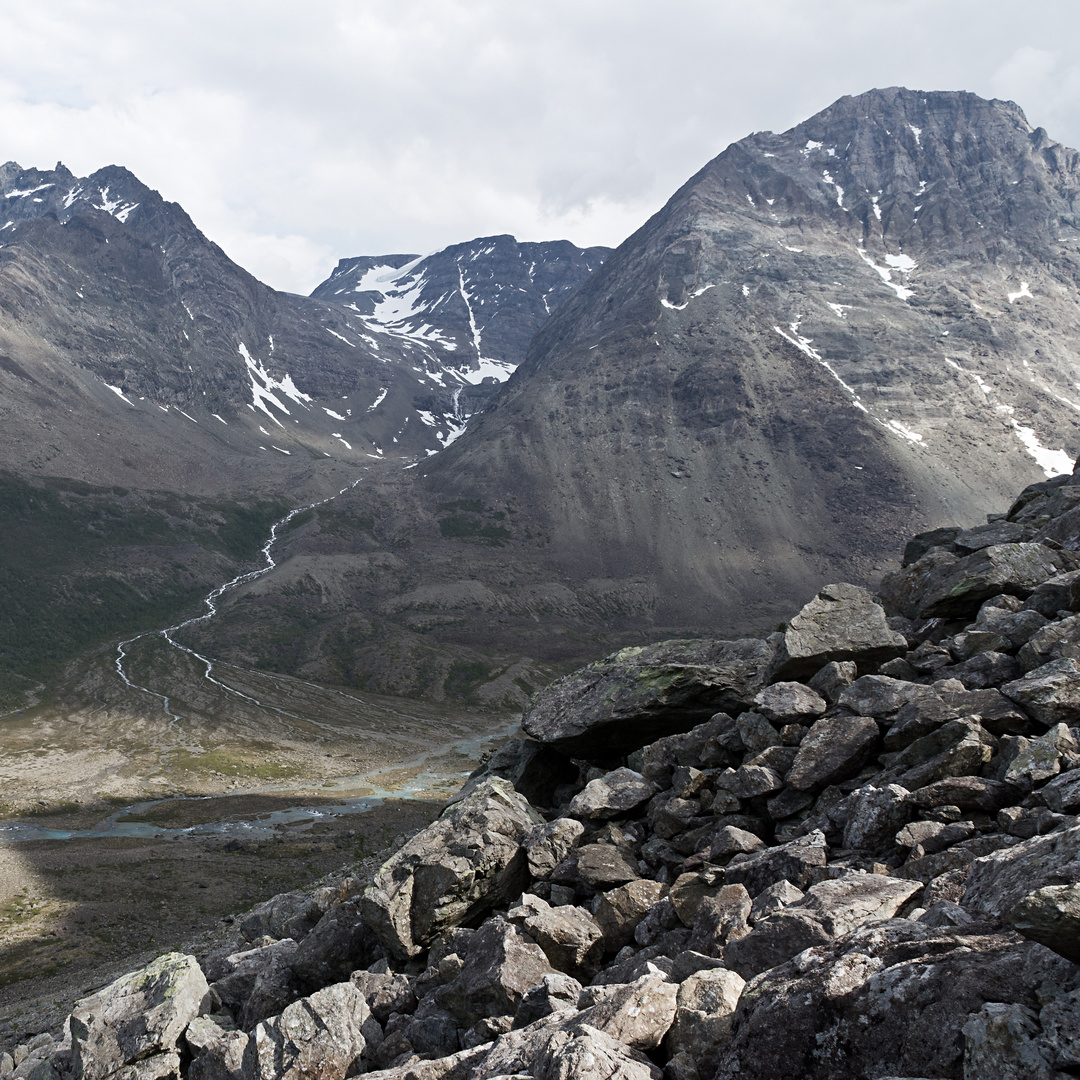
(864, 324)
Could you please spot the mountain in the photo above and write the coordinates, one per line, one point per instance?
(161, 406)
(476, 305)
(862, 325)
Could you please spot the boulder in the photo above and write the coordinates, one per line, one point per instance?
(1000, 880)
(603, 866)
(834, 749)
(1050, 694)
(554, 993)
(287, 915)
(611, 795)
(721, 919)
(638, 1014)
(842, 623)
(887, 1000)
(1050, 916)
(1062, 794)
(756, 732)
(882, 697)
(729, 840)
(773, 899)
(941, 585)
(340, 943)
(874, 816)
(966, 793)
(1059, 593)
(547, 845)
(637, 695)
(789, 702)
(827, 911)
(502, 963)
(619, 911)
(712, 744)
(690, 890)
(958, 748)
(704, 1012)
(571, 938)
(832, 679)
(582, 1052)
(1058, 640)
(316, 1038)
(984, 671)
(386, 992)
(1034, 761)
(464, 863)
(217, 1051)
(142, 1013)
(259, 982)
(535, 771)
(794, 861)
(749, 781)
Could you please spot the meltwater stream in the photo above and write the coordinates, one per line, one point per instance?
(424, 782)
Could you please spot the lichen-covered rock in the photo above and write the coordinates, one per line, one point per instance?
(217, 1050)
(316, 1038)
(1051, 916)
(502, 963)
(874, 816)
(1000, 880)
(827, 911)
(465, 863)
(793, 862)
(1051, 693)
(788, 702)
(841, 623)
(887, 1000)
(619, 911)
(638, 694)
(571, 938)
(638, 1014)
(547, 845)
(617, 792)
(704, 1013)
(942, 585)
(140, 1014)
(835, 748)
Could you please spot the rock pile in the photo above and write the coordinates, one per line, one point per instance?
(849, 850)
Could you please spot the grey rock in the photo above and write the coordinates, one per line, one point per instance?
(966, 792)
(501, 965)
(842, 623)
(1000, 880)
(585, 1053)
(639, 694)
(788, 702)
(1001, 1043)
(638, 1014)
(942, 585)
(874, 816)
(1059, 593)
(612, 795)
(793, 861)
(340, 942)
(217, 1051)
(317, 1038)
(986, 670)
(554, 993)
(929, 837)
(894, 995)
(773, 899)
(536, 771)
(748, 781)
(1051, 693)
(831, 680)
(259, 982)
(958, 748)
(547, 845)
(386, 992)
(829, 910)
(1062, 794)
(1058, 640)
(704, 1013)
(756, 732)
(571, 938)
(686, 781)
(707, 745)
(881, 696)
(142, 1013)
(288, 915)
(619, 911)
(1050, 916)
(690, 890)
(465, 863)
(669, 815)
(603, 866)
(787, 802)
(729, 840)
(721, 919)
(1037, 760)
(944, 914)
(835, 748)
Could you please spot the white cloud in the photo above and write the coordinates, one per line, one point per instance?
(296, 134)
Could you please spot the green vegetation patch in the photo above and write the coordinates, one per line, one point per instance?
(81, 564)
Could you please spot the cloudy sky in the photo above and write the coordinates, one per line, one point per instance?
(297, 133)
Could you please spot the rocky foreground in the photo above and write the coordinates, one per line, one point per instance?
(849, 850)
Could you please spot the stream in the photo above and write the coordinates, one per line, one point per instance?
(262, 825)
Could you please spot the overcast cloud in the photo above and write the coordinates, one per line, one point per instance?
(298, 133)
